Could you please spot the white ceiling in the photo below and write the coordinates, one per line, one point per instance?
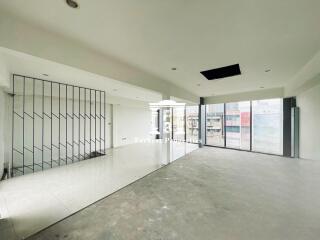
(26, 65)
(191, 35)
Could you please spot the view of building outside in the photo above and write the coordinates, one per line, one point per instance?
(192, 121)
(215, 125)
(267, 125)
(178, 119)
(238, 125)
(155, 122)
(180, 122)
(167, 122)
(267, 130)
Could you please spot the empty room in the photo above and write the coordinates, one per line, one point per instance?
(159, 120)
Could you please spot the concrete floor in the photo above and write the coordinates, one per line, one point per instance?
(211, 193)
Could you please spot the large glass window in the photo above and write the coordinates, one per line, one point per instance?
(267, 126)
(178, 123)
(215, 125)
(192, 121)
(238, 125)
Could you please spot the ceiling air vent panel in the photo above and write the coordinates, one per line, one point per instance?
(223, 72)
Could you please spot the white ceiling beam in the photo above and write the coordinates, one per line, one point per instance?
(245, 96)
(306, 78)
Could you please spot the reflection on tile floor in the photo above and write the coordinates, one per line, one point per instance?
(32, 202)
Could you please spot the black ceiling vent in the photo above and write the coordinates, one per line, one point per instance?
(223, 72)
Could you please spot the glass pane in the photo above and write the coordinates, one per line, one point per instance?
(215, 125)
(192, 120)
(178, 123)
(167, 122)
(154, 122)
(238, 125)
(267, 120)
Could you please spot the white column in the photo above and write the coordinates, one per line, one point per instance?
(5, 125)
(2, 127)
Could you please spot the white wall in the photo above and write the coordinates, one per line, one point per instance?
(2, 128)
(124, 124)
(37, 132)
(4, 83)
(4, 74)
(130, 123)
(309, 103)
(109, 137)
(131, 119)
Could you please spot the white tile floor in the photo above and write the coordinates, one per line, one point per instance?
(32, 202)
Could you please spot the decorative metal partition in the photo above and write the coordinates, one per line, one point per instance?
(55, 124)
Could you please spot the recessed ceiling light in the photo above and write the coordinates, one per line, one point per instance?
(261, 87)
(46, 75)
(72, 3)
(173, 69)
(267, 70)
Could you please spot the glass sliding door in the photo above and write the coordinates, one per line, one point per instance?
(238, 125)
(167, 122)
(192, 124)
(215, 125)
(178, 124)
(267, 126)
(155, 114)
